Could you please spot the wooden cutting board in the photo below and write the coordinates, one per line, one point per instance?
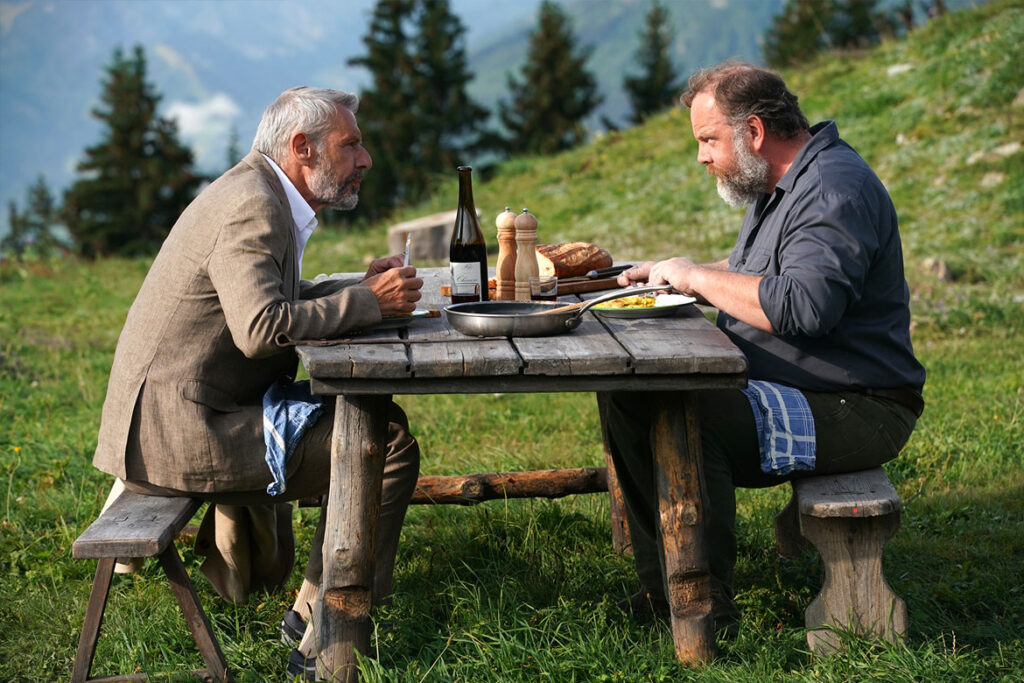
(565, 286)
(568, 286)
(580, 286)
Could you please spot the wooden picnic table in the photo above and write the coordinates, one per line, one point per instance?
(674, 354)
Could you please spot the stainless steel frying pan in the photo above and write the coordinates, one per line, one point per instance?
(528, 318)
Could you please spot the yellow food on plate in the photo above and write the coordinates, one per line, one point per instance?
(640, 301)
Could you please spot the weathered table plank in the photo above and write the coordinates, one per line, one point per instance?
(683, 343)
(587, 350)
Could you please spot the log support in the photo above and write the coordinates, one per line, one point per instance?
(342, 616)
(681, 522)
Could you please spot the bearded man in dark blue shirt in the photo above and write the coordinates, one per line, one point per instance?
(813, 293)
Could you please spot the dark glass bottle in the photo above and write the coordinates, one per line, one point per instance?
(468, 252)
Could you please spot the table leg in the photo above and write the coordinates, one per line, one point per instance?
(682, 507)
(617, 506)
(353, 507)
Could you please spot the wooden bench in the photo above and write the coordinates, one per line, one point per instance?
(135, 525)
(848, 518)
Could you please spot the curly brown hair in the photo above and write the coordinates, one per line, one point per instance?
(741, 89)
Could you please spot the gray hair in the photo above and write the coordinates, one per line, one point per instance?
(302, 109)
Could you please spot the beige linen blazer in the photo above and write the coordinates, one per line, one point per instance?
(210, 330)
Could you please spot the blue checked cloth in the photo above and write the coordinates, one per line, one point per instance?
(288, 410)
(785, 427)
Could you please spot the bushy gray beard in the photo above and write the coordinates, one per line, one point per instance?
(749, 180)
(327, 190)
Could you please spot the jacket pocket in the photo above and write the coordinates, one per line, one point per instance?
(199, 392)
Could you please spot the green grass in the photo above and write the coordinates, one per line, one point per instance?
(524, 590)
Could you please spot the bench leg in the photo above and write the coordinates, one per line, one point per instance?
(855, 596)
(198, 624)
(93, 620)
(788, 540)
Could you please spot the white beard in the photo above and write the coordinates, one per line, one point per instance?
(327, 190)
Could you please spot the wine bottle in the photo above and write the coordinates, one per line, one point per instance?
(468, 252)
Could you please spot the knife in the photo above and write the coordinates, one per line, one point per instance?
(597, 274)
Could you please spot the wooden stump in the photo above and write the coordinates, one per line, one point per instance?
(431, 236)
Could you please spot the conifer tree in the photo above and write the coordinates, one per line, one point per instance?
(385, 108)
(32, 229)
(654, 89)
(135, 182)
(233, 154)
(451, 122)
(805, 28)
(556, 91)
(417, 119)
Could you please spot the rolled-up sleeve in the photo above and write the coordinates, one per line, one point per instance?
(824, 258)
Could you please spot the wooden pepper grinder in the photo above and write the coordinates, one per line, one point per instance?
(526, 253)
(506, 270)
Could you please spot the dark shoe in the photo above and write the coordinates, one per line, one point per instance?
(298, 665)
(642, 606)
(725, 614)
(292, 628)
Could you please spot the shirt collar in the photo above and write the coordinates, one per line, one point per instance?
(302, 214)
(822, 135)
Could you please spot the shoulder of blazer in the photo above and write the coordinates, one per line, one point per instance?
(255, 162)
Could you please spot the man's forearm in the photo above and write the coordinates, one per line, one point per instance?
(734, 293)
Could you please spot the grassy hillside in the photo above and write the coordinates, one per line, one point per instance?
(524, 590)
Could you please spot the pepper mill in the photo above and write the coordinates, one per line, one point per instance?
(526, 253)
(506, 270)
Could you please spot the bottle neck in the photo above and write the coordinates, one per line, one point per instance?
(466, 190)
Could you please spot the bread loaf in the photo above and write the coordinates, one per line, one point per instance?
(571, 258)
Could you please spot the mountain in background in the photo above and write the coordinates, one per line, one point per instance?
(218, 64)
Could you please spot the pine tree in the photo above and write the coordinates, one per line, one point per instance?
(32, 230)
(798, 32)
(417, 119)
(451, 123)
(139, 178)
(385, 108)
(656, 87)
(805, 28)
(233, 154)
(556, 91)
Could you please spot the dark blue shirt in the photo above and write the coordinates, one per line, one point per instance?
(828, 245)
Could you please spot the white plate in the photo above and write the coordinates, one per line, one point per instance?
(394, 322)
(664, 304)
